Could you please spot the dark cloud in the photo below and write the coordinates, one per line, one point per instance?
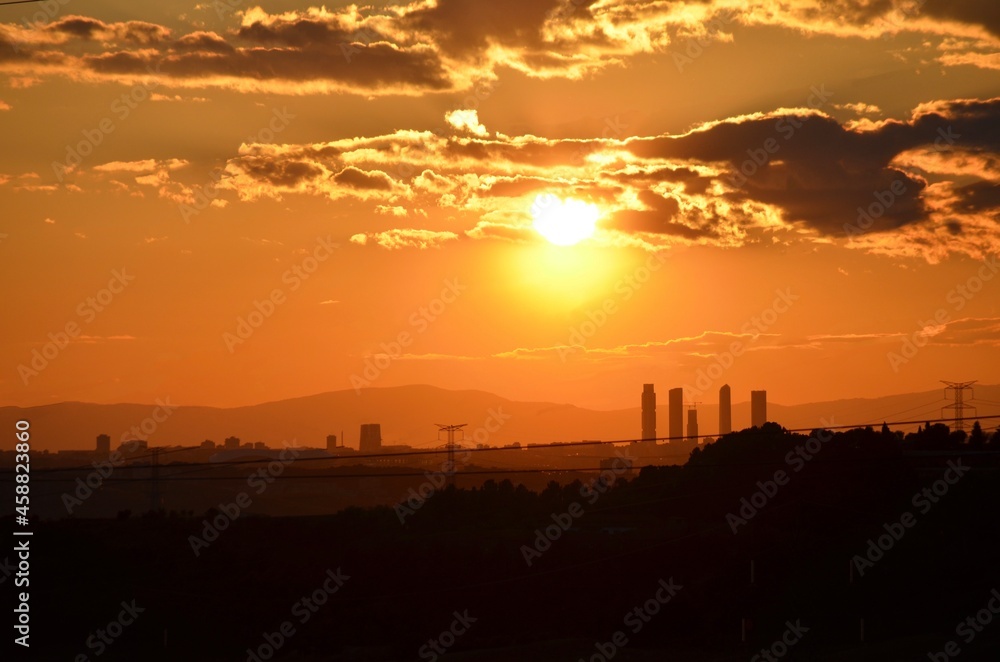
(379, 64)
(467, 27)
(78, 26)
(86, 28)
(513, 187)
(821, 172)
(143, 33)
(977, 12)
(302, 33)
(979, 197)
(658, 217)
(206, 42)
(359, 179)
(279, 173)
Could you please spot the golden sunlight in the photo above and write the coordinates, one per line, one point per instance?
(564, 222)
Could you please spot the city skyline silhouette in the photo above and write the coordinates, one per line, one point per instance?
(469, 331)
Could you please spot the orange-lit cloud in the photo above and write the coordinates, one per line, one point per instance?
(450, 45)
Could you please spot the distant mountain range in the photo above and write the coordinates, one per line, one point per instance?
(408, 415)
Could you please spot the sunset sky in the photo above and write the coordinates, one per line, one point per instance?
(227, 203)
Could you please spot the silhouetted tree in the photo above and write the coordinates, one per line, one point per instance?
(977, 439)
(931, 437)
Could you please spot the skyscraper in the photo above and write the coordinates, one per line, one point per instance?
(103, 443)
(331, 442)
(371, 437)
(693, 424)
(675, 403)
(725, 410)
(648, 412)
(758, 408)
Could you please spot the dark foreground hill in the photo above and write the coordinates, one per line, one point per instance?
(848, 547)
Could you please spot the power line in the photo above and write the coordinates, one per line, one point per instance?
(184, 476)
(934, 404)
(352, 475)
(529, 448)
(88, 467)
(959, 406)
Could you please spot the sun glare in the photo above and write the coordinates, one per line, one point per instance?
(564, 222)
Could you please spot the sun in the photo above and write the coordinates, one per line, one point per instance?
(564, 222)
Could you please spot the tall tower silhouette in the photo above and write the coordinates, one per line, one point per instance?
(693, 424)
(758, 408)
(451, 430)
(648, 413)
(959, 406)
(725, 410)
(675, 403)
(371, 438)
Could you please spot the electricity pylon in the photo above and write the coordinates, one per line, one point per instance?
(959, 406)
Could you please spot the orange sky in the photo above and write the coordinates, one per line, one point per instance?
(346, 180)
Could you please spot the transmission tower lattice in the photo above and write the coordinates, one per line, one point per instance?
(959, 406)
(451, 430)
